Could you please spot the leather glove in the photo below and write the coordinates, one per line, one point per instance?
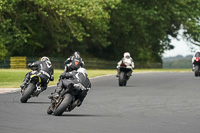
(62, 76)
(51, 78)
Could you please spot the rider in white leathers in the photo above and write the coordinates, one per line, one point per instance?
(127, 60)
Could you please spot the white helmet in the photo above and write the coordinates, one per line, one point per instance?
(127, 55)
(82, 70)
(77, 54)
(44, 58)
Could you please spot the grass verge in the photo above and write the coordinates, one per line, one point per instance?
(12, 78)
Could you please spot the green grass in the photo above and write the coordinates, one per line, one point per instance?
(12, 78)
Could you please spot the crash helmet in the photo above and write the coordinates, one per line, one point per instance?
(44, 58)
(77, 54)
(82, 70)
(127, 55)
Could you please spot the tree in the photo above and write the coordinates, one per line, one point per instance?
(143, 27)
(98, 28)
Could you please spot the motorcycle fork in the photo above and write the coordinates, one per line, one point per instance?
(56, 103)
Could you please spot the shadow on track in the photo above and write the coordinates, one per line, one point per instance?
(38, 102)
(81, 115)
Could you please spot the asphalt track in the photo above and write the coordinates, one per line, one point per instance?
(150, 103)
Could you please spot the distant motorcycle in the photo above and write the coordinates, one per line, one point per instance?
(64, 103)
(197, 67)
(124, 74)
(31, 89)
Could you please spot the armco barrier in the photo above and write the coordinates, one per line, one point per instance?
(58, 63)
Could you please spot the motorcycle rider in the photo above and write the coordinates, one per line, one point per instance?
(197, 54)
(76, 78)
(128, 61)
(74, 62)
(43, 69)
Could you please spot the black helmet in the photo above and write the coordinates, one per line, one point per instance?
(77, 54)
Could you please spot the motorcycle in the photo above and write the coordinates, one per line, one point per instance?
(196, 66)
(64, 103)
(31, 89)
(124, 74)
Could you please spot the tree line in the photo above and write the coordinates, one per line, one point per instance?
(178, 62)
(102, 29)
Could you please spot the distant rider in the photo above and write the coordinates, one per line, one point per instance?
(77, 79)
(197, 54)
(43, 69)
(128, 61)
(74, 62)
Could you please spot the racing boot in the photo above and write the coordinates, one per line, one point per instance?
(23, 85)
(26, 79)
(117, 73)
(54, 95)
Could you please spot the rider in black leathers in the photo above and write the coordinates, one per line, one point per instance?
(43, 69)
(74, 62)
(197, 54)
(77, 79)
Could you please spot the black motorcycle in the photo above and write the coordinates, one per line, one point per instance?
(124, 74)
(31, 89)
(197, 67)
(64, 103)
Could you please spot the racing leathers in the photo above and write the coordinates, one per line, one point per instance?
(73, 63)
(43, 69)
(126, 61)
(79, 81)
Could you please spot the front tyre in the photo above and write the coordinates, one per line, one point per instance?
(121, 78)
(196, 70)
(63, 106)
(28, 92)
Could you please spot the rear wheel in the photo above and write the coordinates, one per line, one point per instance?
(63, 106)
(196, 70)
(27, 93)
(121, 78)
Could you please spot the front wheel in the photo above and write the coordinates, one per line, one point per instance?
(121, 79)
(27, 93)
(196, 70)
(64, 104)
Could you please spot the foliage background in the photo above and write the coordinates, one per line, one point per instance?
(102, 29)
(178, 62)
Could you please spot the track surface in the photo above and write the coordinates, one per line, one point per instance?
(150, 103)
